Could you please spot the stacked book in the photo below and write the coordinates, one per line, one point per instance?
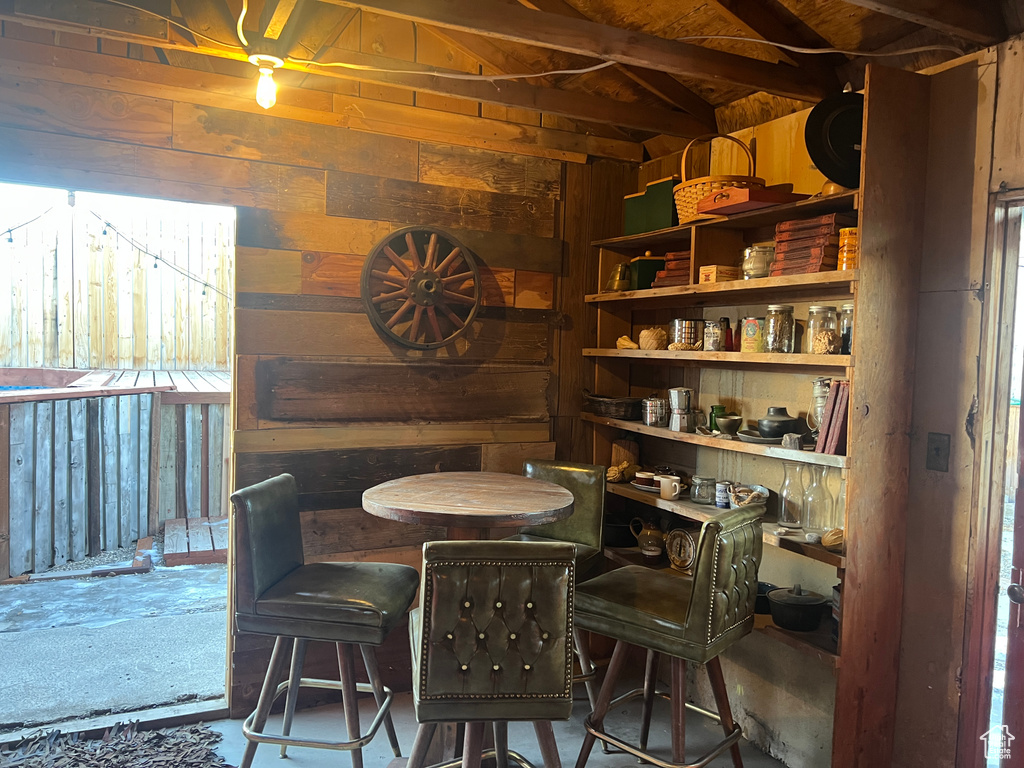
(803, 246)
(834, 419)
(676, 272)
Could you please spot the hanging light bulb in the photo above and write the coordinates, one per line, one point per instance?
(266, 88)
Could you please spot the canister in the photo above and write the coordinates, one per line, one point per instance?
(702, 490)
(683, 331)
(752, 334)
(722, 494)
(712, 336)
(654, 411)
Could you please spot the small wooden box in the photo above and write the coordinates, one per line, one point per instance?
(636, 214)
(660, 204)
(718, 273)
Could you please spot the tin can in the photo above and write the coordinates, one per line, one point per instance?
(752, 334)
(712, 336)
(689, 332)
(722, 494)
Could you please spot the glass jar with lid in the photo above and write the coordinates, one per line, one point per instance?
(822, 336)
(779, 329)
(702, 490)
(757, 260)
(846, 329)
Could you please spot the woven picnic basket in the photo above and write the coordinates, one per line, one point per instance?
(692, 191)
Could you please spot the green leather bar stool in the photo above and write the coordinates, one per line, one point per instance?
(584, 528)
(689, 619)
(354, 605)
(491, 642)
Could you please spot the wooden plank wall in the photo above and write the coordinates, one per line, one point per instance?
(181, 467)
(50, 476)
(75, 294)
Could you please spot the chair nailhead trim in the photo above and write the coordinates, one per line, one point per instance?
(529, 605)
(465, 667)
(481, 635)
(450, 636)
(498, 604)
(512, 636)
(495, 667)
(544, 636)
(526, 666)
(466, 604)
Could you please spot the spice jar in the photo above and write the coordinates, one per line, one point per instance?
(702, 490)
(846, 329)
(779, 329)
(849, 248)
(757, 260)
(822, 331)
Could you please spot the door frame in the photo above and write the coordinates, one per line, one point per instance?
(991, 429)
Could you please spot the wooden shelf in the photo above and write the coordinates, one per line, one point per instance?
(795, 543)
(763, 217)
(818, 643)
(730, 359)
(819, 285)
(737, 446)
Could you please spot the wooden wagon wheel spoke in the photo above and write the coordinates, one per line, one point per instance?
(413, 296)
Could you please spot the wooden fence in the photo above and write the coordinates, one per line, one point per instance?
(146, 285)
(87, 474)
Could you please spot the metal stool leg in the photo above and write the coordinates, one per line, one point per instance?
(604, 699)
(372, 671)
(266, 699)
(349, 699)
(294, 676)
(587, 667)
(678, 694)
(500, 743)
(722, 702)
(650, 684)
(546, 740)
(421, 745)
(473, 746)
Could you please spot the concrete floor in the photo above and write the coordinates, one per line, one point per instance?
(328, 722)
(80, 647)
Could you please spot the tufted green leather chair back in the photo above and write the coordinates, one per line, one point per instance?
(725, 578)
(586, 482)
(266, 528)
(493, 637)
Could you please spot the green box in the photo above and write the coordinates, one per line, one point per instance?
(660, 204)
(636, 213)
(643, 270)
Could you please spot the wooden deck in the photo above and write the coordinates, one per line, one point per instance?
(196, 541)
(177, 387)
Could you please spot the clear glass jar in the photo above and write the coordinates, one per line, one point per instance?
(779, 329)
(702, 490)
(846, 329)
(839, 510)
(757, 260)
(822, 337)
(791, 495)
(818, 503)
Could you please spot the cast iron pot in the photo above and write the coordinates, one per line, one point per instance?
(796, 609)
(777, 423)
(761, 602)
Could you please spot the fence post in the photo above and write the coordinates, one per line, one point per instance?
(154, 465)
(5, 491)
(94, 461)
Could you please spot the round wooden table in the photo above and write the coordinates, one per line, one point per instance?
(467, 503)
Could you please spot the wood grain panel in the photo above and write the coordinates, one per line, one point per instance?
(359, 196)
(467, 168)
(292, 142)
(328, 531)
(498, 287)
(331, 274)
(509, 457)
(301, 231)
(268, 270)
(336, 479)
(82, 111)
(302, 390)
(273, 437)
(512, 251)
(244, 390)
(534, 290)
(322, 333)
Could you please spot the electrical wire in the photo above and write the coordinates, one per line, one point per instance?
(178, 24)
(156, 257)
(10, 230)
(448, 75)
(800, 49)
(238, 26)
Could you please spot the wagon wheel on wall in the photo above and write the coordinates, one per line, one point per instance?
(421, 287)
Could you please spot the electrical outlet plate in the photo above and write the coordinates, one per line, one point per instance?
(938, 452)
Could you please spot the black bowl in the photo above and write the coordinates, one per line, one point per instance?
(761, 603)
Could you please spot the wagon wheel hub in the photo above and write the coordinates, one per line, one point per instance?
(425, 287)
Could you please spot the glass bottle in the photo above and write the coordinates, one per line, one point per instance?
(779, 329)
(839, 513)
(822, 337)
(716, 411)
(818, 503)
(791, 495)
(846, 329)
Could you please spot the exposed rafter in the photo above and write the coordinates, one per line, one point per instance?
(587, 38)
(210, 17)
(662, 85)
(275, 17)
(977, 20)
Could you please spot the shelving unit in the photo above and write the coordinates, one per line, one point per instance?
(885, 292)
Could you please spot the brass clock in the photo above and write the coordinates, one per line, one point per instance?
(682, 550)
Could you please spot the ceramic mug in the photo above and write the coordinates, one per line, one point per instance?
(669, 484)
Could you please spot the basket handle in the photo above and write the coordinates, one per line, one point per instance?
(712, 137)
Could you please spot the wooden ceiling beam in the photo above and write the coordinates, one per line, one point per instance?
(210, 17)
(88, 17)
(275, 17)
(661, 84)
(980, 21)
(552, 101)
(587, 38)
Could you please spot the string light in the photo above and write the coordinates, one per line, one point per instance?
(11, 230)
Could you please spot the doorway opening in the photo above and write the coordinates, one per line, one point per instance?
(115, 349)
